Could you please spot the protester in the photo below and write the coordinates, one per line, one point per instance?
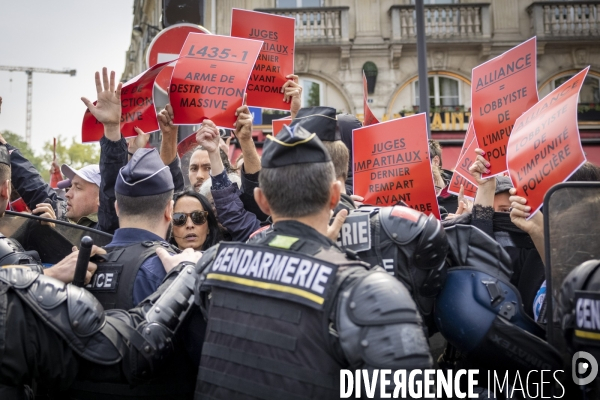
(194, 223)
(81, 201)
(446, 200)
(143, 190)
(490, 214)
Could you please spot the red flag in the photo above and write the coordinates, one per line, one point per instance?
(369, 117)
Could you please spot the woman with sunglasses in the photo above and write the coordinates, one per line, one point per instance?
(194, 223)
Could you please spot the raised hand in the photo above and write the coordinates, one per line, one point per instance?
(165, 121)
(292, 92)
(208, 136)
(108, 106)
(481, 166)
(243, 125)
(137, 142)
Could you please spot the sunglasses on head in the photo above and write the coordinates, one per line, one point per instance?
(198, 218)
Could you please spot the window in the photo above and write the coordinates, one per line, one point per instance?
(370, 70)
(443, 92)
(312, 93)
(436, 1)
(299, 3)
(590, 91)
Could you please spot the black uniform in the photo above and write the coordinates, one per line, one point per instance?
(291, 310)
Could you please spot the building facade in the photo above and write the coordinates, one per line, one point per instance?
(337, 39)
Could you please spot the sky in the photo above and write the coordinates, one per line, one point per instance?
(62, 34)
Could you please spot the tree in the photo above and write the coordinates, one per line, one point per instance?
(76, 155)
(314, 95)
(20, 143)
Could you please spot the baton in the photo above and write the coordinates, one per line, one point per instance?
(85, 250)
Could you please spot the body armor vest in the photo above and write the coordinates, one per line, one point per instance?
(268, 334)
(112, 284)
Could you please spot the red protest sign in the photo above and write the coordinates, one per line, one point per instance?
(544, 148)
(210, 78)
(186, 145)
(276, 58)
(137, 108)
(391, 164)
(92, 130)
(467, 155)
(278, 124)
(470, 189)
(369, 117)
(501, 90)
(137, 102)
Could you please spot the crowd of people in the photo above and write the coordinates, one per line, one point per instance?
(236, 287)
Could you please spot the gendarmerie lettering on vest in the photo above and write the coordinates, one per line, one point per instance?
(293, 276)
(587, 308)
(356, 232)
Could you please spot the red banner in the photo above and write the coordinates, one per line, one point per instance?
(369, 117)
(276, 58)
(210, 78)
(467, 155)
(137, 108)
(501, 90)
(278, 124)
(470, 189)
(92, 130)
(545, 148)
(391, 164)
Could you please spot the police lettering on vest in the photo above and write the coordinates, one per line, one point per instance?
(587, 308)
(106, 278)
(271, 272)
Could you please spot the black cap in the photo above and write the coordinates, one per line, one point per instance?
(144, 175)
(319, 120)
(293, 145)
(503, 184)
(4, 156)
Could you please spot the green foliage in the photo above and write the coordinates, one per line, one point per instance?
(20, 143)
(76, 155)
(68, 151)
(314, 95)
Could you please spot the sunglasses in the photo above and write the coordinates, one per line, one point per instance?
(198, 218)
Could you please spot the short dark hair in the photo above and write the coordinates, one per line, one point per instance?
(435, 150)
(588, 172)
(149, 207)
(339, 156)
(4, 172)
(214, 231)
(297, 190)
(224, 158)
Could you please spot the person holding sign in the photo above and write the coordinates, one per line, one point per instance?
(491, 214)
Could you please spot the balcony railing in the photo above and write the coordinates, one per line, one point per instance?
(318, 24)
(443, 21)
(565, 19)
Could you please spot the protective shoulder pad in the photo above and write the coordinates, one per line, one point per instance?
(402, 224)
(207, 257)
(72, 312)
(17, 276)
(85, 312)
(379, 299)
(379, 326)
(470, 246)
